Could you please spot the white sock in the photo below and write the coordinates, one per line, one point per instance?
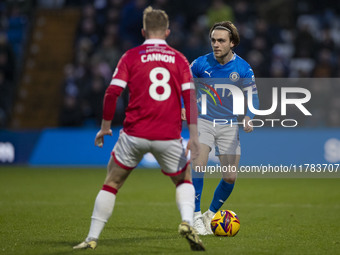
(102, 211)
(197, 214)
(211, 213)
(185, 199)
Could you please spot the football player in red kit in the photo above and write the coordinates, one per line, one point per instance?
(157, 76)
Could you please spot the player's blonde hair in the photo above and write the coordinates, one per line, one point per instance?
(230, 27)
(155, 20)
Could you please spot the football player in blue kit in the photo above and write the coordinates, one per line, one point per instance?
(216, 117)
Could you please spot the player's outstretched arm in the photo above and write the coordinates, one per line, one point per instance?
(194, 145)
(248, 127)
(109, 107)
(105, 130)
(247, 124)
(183, 114)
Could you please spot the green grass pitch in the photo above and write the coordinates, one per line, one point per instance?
(47, 211)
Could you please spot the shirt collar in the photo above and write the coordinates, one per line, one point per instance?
(154, 41)
(232, 59)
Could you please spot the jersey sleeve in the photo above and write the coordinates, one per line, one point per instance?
(118, 83)
(194, 68)
(110, 99)
(121, 75)
(188, 92)
(248, 79)
(248, 84)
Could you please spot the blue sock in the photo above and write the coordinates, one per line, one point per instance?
(222, 192)
(197, 181)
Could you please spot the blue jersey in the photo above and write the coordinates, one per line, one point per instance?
(219, 101)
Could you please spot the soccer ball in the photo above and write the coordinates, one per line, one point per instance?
(225, 223)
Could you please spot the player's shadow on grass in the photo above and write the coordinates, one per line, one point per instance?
(144, 244)
(124, 245)
(138, 240)
(136, 230)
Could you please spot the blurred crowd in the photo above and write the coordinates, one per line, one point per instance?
(279, 39)
(13, 25)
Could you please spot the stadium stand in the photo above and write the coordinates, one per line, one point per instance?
(278, 39)
(48, 50)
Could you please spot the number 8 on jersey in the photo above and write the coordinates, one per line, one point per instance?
(154, 75)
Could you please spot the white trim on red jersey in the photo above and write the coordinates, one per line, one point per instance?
(119, 83)
(188, 85)
(155, 41)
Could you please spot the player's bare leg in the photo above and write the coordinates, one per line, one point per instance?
(202, 160)
(116, 175)
(185, 196)
(198, 180)
(230, 162)
(224, 188)
(104, 204)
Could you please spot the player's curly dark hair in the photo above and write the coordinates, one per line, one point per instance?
(234, 35)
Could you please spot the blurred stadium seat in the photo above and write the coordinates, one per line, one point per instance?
(279, 39)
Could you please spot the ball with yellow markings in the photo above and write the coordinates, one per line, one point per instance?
(225, 223)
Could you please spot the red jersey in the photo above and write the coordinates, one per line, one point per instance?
(156, 76)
